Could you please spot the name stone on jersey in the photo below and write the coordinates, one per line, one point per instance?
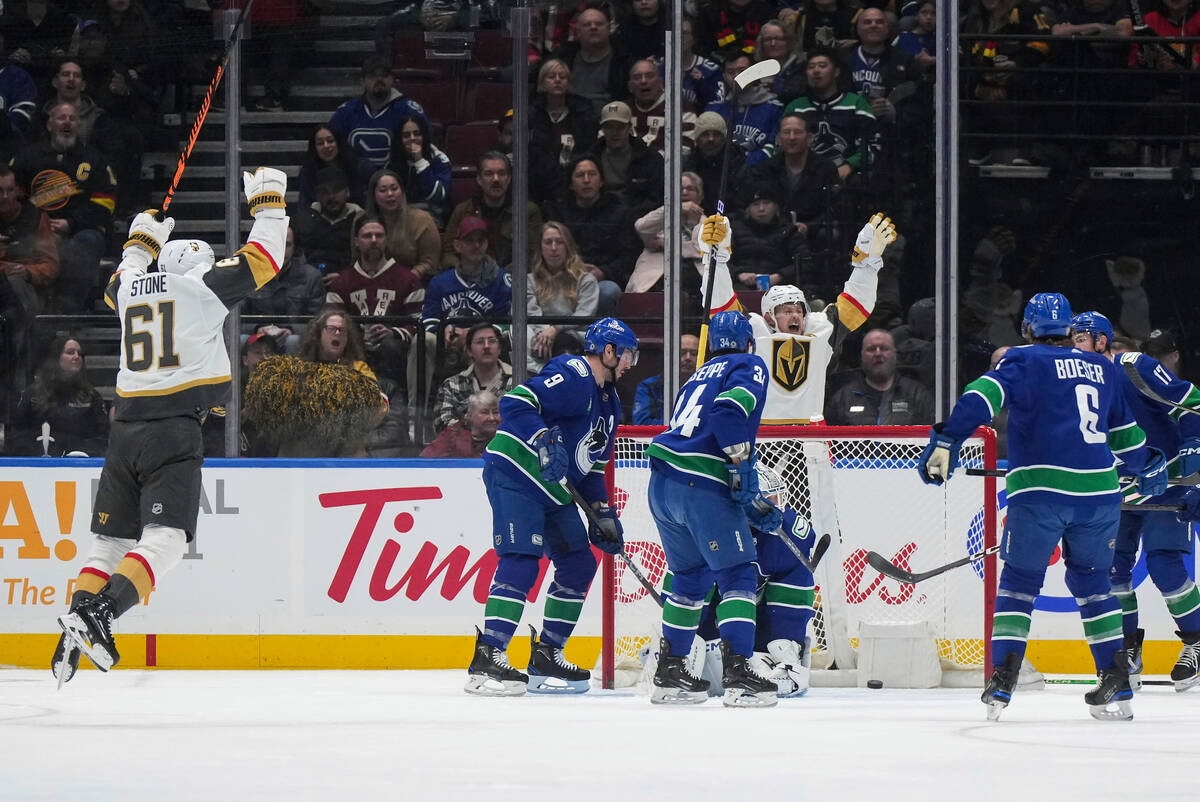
(789, 363)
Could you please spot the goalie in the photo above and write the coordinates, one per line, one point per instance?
(797, 343)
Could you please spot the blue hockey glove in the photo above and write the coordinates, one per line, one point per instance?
(940, 457)
(606, 536)
(1152, 479)
(1189, 456)
(552, 454)
(763, 515)
(743, 481)
(1191, 508)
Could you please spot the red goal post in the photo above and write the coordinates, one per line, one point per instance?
(859, 484)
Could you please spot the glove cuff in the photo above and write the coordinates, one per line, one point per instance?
(135, 257)
(858, 255)
(266, 200)
(143, 240)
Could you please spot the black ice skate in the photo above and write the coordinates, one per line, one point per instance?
(551, 672)
(1186, 672)
(1131, 653)
(90, 626)
(65, 661)
(1111, 699)
(744, 687)
(998, 692)
(490, 673)
(673, 685)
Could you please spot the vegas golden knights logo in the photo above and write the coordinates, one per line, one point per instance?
(789, 363)
(103, 516)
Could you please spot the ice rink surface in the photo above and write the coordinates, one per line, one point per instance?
(338, 736)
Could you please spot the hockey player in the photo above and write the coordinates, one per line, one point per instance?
(1166, 540)
(798, 344)
(703, 489)
(173, 365)
(1067, 420)
(558, 425)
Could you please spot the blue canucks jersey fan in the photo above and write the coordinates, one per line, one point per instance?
(557, 426)
(1068, 426)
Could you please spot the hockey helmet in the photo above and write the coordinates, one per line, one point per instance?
(729, 331)
(1093, 323)
(782, 294)
(771, 486)
(1048, 314)
(180, 256)
(610, 331)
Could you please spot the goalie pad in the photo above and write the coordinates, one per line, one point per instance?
(789, 667)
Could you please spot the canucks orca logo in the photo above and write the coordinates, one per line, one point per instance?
(593, 445)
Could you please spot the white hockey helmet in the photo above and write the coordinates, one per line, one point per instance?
(180, 256)
(771, 486)
(782, 294)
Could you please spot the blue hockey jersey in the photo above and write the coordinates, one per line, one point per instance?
(719, 406)
(755, 127)
(1165, 426)
(370, 132)
(564, 394)
(449, 295)
(1068, 417)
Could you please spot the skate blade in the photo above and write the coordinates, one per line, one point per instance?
(677, 696)
(736, 697)
(1135, 682)
(557, 685)
(75, 629)
(1114, 711)
(994, 710)
(483, 685)
(1184, 684)
(63, 670)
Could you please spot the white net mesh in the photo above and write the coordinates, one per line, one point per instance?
(862, 483)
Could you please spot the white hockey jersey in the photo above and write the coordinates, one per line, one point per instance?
(173, 355)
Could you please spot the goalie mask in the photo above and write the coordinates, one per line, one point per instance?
(180, 256)
(779, 295)
(771, 486)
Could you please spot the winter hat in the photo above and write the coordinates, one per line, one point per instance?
(710, 121)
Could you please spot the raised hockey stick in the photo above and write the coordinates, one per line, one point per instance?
(629, 563)
(205, 105)
(890, 569)
(755, 72)
(1145, 389)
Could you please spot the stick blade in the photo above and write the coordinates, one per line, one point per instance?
(887, 568)
(756, 72)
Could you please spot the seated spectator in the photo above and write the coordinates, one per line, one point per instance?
(323, 228)
(648, 105)
(649, 271)
(1162, 346)
(562, 125)
(775, 40)
(878, 395)
(602, 228)
(69, 87)
(18, 96)
(28, 254)
(1172, 18)
(730, 27)
(642, 29)
(467, 438)
(597, 63)
(476, 286)
(333, 337)
(920, 41)
(255, 349)
(425, 168)
(706, 159)
(764, 244)
(702, 82)
(412, 235)
(492, 204)
(876, 70)
(486, 372)
(368, 121)
(298, 290)
(79, 203)
(504, 136)
(324, 151)
(648, 401)
(632, 171)
(559, 284)
(844, 130)
(756, 114)
(825, 24)
(61, 413)
(41, 33)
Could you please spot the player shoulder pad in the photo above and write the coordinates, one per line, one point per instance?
(818, 324)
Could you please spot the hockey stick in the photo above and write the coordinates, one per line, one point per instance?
(629, 563)
(999, 473)
(1140, 28)
(890, 569)
(819, 550)
(204, 107)
(755, 72)
(1145, 389)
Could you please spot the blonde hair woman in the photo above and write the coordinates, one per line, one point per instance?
(412, 234)
(559, 284)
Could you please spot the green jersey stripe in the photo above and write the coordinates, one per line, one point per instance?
(740, 396)
(991, 392)
(520, 454)
(702, 465)
(1126, 438)
(1066, 481)
(525, 394)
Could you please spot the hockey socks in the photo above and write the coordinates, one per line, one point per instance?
(573, 572)
(1178, 590)
(1014, 612)
(1129, 607)
(1101, 615)
(789, 609)
(735, 621)
(514, 578)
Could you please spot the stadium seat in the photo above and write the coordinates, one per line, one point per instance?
(462, 187)
(440, 100)
(465, 143)
(643, 311)
(492, 49)
(488, 100)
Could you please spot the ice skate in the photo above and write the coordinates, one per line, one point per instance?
(998, 692)
(1186, 672)
(551, 672)
(90, 627)
(490, 673)
(743, 686)
(1131, 653)
(1111, 699)
(673, 684)
(65, 661)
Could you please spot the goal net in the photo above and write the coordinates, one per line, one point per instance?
(859, 485)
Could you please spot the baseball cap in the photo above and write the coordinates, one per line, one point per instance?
(616, 112)
(469, 225)
(374, 65)
(1160, 342)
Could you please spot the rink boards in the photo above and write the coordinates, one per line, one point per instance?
(334, 564)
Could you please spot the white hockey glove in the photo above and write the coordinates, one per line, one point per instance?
(147, 235)
(265, 189)
(714, 236)
(873, 240)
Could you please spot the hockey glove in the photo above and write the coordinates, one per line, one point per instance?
(714, 237)
(874, 238)
(1152, 478)
(763, 515)
(743, 481)
(1189, 456)
(147, 234)
(552, 454)
(1191, 507)
(265, 189)
(940, 457)
(606, 533)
